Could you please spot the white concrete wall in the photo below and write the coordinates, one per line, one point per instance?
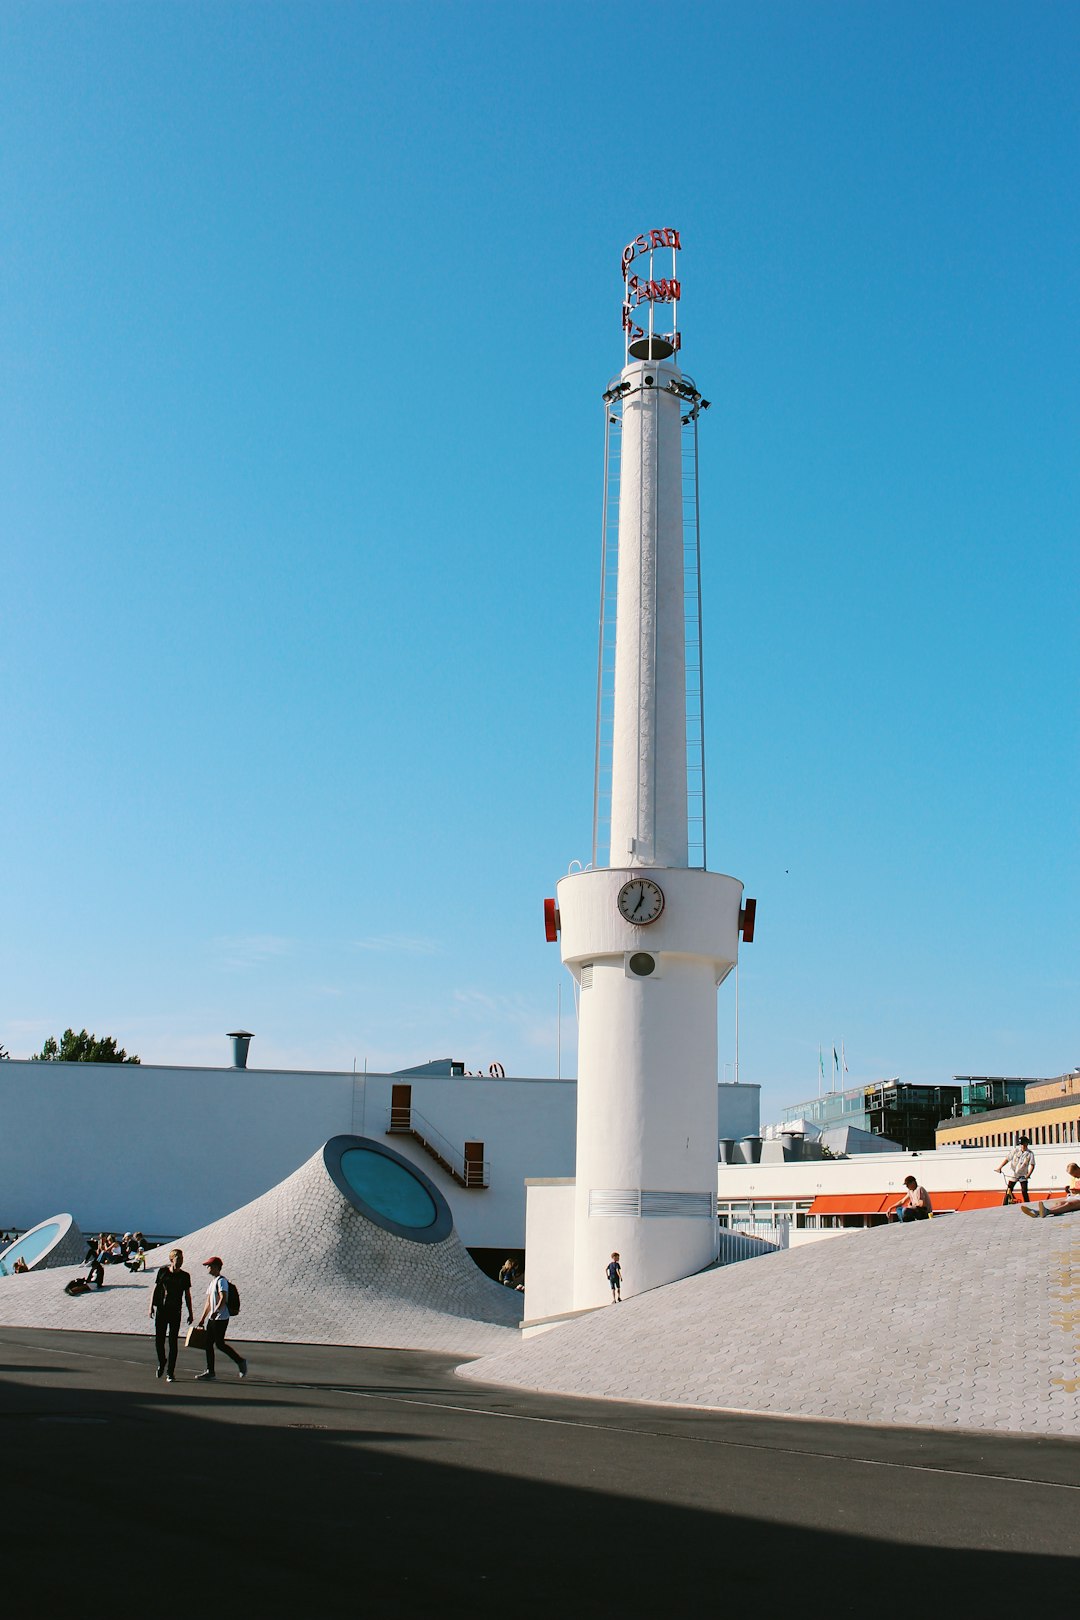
(946, 1170)
(167, 1150)
(549, 1248)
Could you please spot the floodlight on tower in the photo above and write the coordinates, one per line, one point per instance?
(647, 931)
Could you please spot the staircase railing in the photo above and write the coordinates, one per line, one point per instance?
(404, 1120)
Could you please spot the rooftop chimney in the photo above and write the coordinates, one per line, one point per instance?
(241, 1040)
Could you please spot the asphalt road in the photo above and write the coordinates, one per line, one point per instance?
(341, 1482)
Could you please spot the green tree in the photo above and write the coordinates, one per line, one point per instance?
(81, 1048)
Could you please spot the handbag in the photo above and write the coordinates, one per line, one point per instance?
(196, 1337)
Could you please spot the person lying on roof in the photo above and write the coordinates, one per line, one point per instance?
(1059, 1206)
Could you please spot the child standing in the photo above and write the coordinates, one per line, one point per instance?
(614, 1277)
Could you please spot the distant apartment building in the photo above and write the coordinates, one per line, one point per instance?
(1048, 1113)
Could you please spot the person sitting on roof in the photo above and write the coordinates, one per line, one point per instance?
(1059, 1206)
(915, 1204)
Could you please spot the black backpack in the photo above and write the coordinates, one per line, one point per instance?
(234, 1299)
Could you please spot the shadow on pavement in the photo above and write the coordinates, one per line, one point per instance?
(320, 1518)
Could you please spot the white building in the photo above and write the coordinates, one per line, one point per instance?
(822, 1197)
(166, 1149)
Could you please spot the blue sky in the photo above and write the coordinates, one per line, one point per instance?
(306, 310)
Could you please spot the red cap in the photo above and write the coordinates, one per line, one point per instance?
(214, 1260)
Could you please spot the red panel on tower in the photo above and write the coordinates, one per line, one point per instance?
(551, 921)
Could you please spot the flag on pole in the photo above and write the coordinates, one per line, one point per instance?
(835, 1061)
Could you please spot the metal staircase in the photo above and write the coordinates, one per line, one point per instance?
(469, 1171)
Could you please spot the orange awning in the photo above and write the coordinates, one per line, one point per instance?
(881, 1203)
(853, 1203)
(980, 1200)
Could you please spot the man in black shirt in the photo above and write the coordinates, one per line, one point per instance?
(172, 1290)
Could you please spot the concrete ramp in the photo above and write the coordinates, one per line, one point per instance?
(356, 1247)
(968, 1320)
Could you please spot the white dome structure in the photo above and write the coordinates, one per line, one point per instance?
(51, 1243)
(356, 1247)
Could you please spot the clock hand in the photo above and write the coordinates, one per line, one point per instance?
(641, 898)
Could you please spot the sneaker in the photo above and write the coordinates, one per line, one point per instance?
(169, 1379)
(206, 1375)
(160, 1373)
(243, 1369)
(1034, 1210)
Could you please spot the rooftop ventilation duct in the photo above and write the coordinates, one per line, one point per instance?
(241, 1040)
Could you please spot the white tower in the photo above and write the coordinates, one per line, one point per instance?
(648, 937)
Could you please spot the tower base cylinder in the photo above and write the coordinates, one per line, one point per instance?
(647, 1084)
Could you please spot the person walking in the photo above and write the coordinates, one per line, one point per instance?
(172, 1291)
(614, 1277)
(1021, 1163)
(215, 1318)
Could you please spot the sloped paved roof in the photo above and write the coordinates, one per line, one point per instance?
(310, 1269)
(971, 1320)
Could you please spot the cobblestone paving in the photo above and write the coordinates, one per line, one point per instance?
(310, 1269)
(970, 1321)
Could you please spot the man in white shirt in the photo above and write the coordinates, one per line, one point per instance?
(1021, 1163)
(915, 1204)
(215, 1319)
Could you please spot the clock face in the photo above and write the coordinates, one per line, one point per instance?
(641, 900)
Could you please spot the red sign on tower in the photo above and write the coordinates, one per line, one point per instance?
(642, 292)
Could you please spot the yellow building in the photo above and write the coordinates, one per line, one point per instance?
(1051, 1115)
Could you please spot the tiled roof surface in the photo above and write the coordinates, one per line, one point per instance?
(310, 1269)
(971, 1321)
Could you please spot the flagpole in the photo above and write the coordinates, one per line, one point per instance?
(736, 1023)
(558, 1033)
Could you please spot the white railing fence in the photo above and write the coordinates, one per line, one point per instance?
(746, 1241)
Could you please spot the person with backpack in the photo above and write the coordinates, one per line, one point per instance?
(222, 1304)
(172, 1291)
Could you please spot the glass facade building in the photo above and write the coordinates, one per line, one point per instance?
(905, 1112)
